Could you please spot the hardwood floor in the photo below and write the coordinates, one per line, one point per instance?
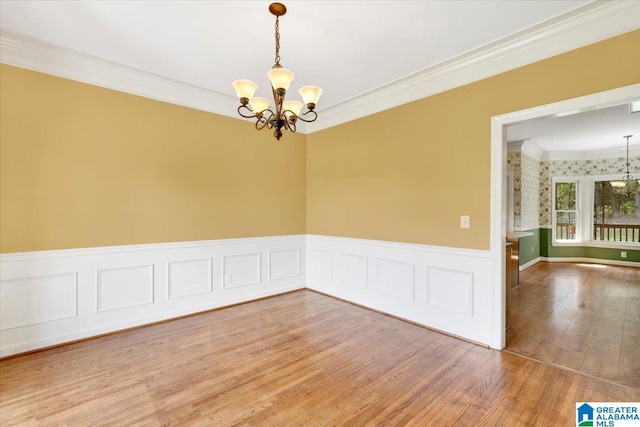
(299, 359)
(582, 316)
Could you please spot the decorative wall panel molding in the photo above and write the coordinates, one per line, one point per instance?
(241, 270)
(284, 264)
(354, 270)
(450, 290)
(447, 289)
(125, 287)
(321, 264)
(52, 297)
(32, 300)
(396, 279)
(192, 277)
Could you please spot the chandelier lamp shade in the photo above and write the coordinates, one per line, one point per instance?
(283, 114)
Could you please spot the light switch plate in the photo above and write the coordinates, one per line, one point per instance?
(465, 222)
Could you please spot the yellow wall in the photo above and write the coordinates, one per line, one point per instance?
(407, 174)
(83, 166)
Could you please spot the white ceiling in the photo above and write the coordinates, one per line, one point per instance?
(598, 129)
(354, 50)
(347, 47)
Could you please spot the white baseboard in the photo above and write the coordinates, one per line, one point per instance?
(583, 260)
(593, 261)
(530, 263)
(447, 289)
(53, 297)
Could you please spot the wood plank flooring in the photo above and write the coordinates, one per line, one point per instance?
(299, 359)
(582, 316)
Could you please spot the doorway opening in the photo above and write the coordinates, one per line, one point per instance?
(499, 211)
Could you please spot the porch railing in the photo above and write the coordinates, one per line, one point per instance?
(565, 231)
(616, 232)
(602, 232)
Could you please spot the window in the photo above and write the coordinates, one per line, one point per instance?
(565, 211)
(616, 211)
(601, 211)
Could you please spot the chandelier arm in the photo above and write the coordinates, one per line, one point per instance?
(313, 119)
(273, 120)
(290, 126)
(260, 124)
(248, 109)
(289, 120)
(264, 120)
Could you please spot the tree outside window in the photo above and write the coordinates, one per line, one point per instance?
(616, 211)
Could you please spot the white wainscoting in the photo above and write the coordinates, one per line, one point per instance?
(52, 297)
(443, 288)
(125, 287)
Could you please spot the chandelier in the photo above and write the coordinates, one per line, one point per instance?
(284, 114)
(627, 176)
(627, 180)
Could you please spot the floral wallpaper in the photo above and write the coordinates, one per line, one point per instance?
(530, 197)
(554, 168)
(514, 165)
(532, 182)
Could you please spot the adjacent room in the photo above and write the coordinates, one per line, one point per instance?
(178, 246)
(573, 201)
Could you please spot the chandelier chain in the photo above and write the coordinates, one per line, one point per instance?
(277, 40)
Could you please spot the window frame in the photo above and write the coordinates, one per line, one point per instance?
(577, 210)
(591, 239)
(584, 221)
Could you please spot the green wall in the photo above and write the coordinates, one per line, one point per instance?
(529, 246)
(549, 251)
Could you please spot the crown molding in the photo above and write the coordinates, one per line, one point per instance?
(594, 22)
(589, 24)
(533, 150)
(515, 146)
(612, 153)
(34, 54)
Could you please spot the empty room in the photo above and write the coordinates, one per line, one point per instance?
(180, 247)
